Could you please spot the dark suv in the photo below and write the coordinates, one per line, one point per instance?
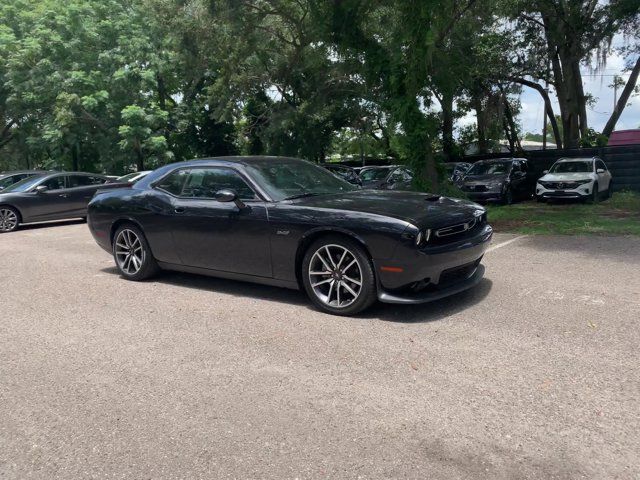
(500, 180)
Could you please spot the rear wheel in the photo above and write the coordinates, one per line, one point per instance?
(9, 219)
(132, 254)
(338, 276)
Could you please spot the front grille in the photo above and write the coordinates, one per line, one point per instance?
(560, 185)
(474, 188)
(458, 231)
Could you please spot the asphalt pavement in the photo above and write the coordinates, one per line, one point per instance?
(533, 374)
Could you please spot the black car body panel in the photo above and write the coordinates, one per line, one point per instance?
(264, 240)
(67, 196)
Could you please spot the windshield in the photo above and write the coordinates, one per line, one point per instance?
(583, 166)
(286, 178)
(24, 185)
(492, 168)
(371, 174)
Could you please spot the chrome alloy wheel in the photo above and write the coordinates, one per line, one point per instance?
(129, 252)
(335, 275)
(8, 220)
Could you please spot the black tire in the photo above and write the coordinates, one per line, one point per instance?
(507, 197)
(541, 199)
(129, 238)
(610, 190)
(10, 219)
(595, 195)
(335, 244)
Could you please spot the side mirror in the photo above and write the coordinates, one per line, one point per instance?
(41, 189)
(227, 195)
(544, 172)
(600, 170)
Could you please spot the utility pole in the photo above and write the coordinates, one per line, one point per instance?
(544, 120)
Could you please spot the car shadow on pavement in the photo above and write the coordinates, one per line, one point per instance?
(426, 312)
(225, 286)
(57, 223)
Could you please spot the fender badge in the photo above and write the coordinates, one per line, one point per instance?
(282, 232)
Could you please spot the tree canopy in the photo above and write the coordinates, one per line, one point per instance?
(119, 85)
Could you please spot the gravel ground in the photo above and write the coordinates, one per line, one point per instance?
(533, 374)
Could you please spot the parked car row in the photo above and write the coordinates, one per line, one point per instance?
(40, 196)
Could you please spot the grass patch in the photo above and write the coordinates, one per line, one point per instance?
(620, 215)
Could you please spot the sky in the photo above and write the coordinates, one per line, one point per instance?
(596, 84)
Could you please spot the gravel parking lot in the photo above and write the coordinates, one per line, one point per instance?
(534, 374)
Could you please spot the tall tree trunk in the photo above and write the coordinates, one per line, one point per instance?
(622, 101)
(75, 157)
(481, 123)
(139, 157)
(447, 125)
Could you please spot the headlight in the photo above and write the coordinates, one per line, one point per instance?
(582, 182)
(494, 186)
(423, 237)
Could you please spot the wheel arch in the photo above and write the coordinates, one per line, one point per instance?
(312, 235)
(20, 216)
(122, 221)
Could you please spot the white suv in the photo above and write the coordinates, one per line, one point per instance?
(580, 178)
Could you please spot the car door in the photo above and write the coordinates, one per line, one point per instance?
(604, 176)
(50, 204)
(218, 235)
(81, 189)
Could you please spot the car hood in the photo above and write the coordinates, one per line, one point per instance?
(419, 209)
(561, 177)
(483, 179)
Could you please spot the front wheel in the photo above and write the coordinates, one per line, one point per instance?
(595, 195)
(132, 254)
(338, 276)
(9, 219)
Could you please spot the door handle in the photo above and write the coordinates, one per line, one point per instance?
(179, 209)
(63, 195)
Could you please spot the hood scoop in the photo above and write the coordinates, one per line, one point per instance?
(432, 198)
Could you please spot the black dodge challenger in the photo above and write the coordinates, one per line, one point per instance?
(290, 223)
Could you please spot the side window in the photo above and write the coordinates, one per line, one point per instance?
(205, 182)
(525, 166)
(55, 183)
(174, 182)
(79, 181)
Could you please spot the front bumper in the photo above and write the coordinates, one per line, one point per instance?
(581, 192)
(435, 294)
(427, 274)
(495, 196)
